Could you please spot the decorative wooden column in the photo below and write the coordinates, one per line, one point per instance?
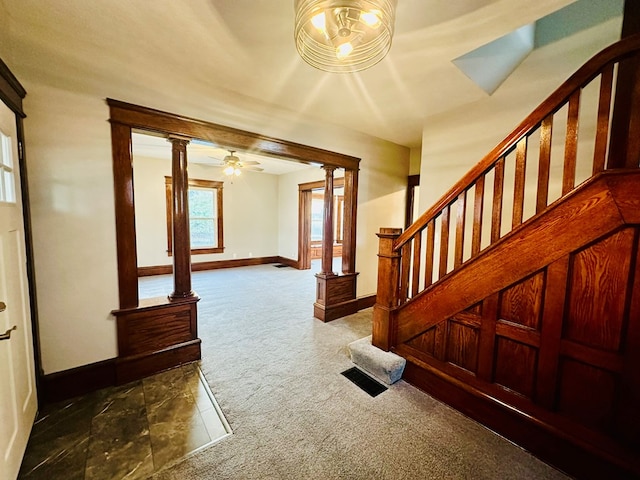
(327, 227)
(387, 294)
(125, 215)
(350, 214)
(336, 294)
(180, 228)
(154, 334)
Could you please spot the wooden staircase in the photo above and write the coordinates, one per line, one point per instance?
(528, 318)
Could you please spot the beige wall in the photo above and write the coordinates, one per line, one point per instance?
(4, 37)
(71, 193)
(453, 142)
(288, 208)
(415, 160)
(249, 204)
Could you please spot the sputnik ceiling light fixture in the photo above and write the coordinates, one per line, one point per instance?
(344, 35)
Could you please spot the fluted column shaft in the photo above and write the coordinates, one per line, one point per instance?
(180, 215)
(327, 228)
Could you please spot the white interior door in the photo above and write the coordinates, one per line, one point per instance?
(18, 400)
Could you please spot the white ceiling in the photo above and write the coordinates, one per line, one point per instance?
(220, 55)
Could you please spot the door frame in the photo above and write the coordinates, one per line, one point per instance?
(304, 219)
(125, 117)
(12, 93)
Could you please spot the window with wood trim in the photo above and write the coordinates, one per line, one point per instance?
(7, 176)
(205, 216)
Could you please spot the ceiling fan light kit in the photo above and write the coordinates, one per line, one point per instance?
(341, 36)
(233, 165)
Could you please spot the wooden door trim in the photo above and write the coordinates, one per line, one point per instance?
(337, 183)
(12, 93)
(304, 229)
(304, 218)
(413, 181)
(168, 123)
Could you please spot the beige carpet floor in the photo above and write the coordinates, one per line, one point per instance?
(275, 371)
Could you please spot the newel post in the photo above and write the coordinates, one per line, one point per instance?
(387, 294)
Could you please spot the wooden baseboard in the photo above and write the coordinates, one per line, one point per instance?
(89, 378)
(545, 443)
(78, 381)
(326, 313)
(201, 266)
(367, 301)
(287, 261)
(155, 270)
(139, 366)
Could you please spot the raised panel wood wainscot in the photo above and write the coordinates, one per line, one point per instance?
(559, 349)
(534, 330)
(559, 346)
(156, 335)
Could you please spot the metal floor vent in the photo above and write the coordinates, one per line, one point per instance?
(364, 381)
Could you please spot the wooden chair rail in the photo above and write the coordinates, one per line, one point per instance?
(453, 228)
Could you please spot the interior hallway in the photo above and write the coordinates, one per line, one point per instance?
(275, 371)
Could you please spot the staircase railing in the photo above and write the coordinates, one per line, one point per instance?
(447, 220)
(457, 227)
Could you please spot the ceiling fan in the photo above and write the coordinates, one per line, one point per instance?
(232, 165)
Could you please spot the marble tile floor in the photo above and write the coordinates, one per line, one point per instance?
(129, 431)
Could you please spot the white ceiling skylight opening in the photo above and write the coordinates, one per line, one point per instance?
(491, 64)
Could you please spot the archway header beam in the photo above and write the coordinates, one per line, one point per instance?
(149, 119)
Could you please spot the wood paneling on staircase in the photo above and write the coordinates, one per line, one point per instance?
(527, 317)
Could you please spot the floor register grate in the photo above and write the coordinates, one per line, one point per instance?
(364, 381)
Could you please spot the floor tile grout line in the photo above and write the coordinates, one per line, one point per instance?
(146, 417)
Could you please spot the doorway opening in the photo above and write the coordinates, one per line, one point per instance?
(162, 332)
(311, 221)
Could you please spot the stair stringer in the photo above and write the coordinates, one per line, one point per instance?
(539, 336)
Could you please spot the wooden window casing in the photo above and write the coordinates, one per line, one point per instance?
(207, 184)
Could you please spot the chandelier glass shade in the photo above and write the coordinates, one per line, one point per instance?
(343, 35)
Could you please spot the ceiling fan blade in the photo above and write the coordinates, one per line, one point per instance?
(250, 162)
(217, 161)
(254, 169)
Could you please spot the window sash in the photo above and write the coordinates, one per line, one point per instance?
(216, 221)
(7, 175)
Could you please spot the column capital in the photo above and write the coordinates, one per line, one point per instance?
(329, 168)
(178, 139)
